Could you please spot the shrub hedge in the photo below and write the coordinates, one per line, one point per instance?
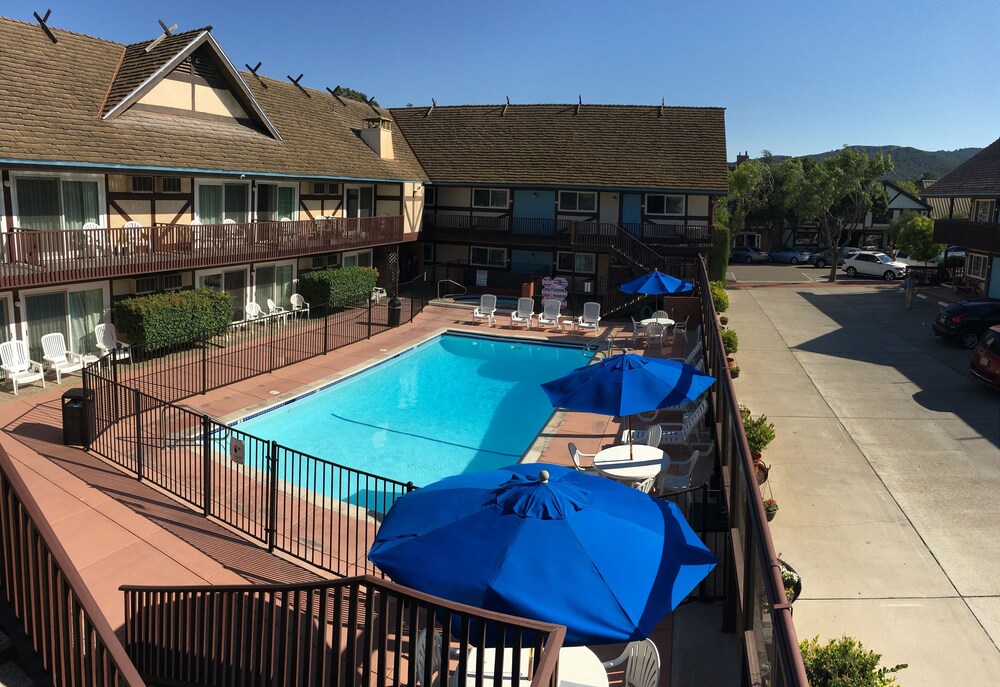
(718, 257)
(166, 319)
(338, 287)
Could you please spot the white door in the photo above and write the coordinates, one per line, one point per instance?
(609, 208)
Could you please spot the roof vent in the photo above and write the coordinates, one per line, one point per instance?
(378, 135)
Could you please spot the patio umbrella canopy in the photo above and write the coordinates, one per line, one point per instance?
(656, 283)
(546, 542)
(627, 384)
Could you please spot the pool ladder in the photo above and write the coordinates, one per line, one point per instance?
(451, 281)
(602, 347)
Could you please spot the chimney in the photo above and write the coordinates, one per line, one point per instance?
(378, 135)
(742, 157)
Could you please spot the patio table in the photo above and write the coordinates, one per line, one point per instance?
(578, 667)
(665, 321)
(615, 463)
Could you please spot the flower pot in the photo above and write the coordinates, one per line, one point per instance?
(734, 372)
(763, 469)
(770, 514)
(793, 581)
(730, 361)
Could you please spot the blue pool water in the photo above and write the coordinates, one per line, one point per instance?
(453, 404)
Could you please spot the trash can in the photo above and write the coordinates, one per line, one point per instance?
(79, 422)
(395, 310)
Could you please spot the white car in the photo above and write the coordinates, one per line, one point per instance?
(875, 264)
(909, 262)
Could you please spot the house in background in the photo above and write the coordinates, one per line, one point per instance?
(976, 179)
(132, 169)
(587, 192)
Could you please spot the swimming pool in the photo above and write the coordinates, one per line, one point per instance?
(455, 403)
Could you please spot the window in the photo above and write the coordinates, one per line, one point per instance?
(573, 201)
(975, 266)
(325, 188)
(358, 258)
(142, 184)
(74, 312)
(219, 202)
(982, 211)
(145, 285)
(485, 256)
(57, 202)
(274, 282)
(490, 198)
(171, 184)
(583, 262)
(430, 196)
(359, 201)
(664, 205)
(172, 282)
(275, 202)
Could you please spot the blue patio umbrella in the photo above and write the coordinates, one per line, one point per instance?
(549, 543)
(656, 283)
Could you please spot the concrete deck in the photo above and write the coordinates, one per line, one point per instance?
(885, 467)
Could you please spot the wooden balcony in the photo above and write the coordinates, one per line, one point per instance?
(39, 257)
(559, 233)
(977, 236)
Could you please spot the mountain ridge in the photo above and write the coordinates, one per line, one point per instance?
(909, 163)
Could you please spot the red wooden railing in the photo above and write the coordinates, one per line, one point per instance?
(38, 257)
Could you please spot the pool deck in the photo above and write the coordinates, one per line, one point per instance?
(120, 531)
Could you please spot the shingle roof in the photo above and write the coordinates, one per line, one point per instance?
(137, 65)
(55, 93)
(602, 146)
(977, 176)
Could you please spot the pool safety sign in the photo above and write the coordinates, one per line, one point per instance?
(481, 277)
(236, 450)
(555, 287)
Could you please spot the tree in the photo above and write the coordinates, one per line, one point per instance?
(916, 237)
(749, 184)
(911, 187)
(352, 94)
(837, 193)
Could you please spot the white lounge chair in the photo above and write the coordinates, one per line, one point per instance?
(691, 426)
(19, 367)
(108, 343)
(59, 358)
(525, 311)
(299, 305)
(591, 317)
(487, 309)
(643, 664)
(576, 455)
(551, 313)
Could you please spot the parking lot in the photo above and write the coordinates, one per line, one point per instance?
(777, 273)
(886, 470)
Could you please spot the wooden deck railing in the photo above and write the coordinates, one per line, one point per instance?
(66, 627)
(39, 257)
(981, 236)
(356, 631)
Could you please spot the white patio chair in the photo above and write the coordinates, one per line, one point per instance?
(253, 312)
(59, 358)
(591, 317)
(137, 236)
(275, 310)
(681, 327)
(487, 309)
(576, 455)
(676, 475)
(654, 333)
(19, 367)
(551, 313)
(299, 305)
(525, 311)
(638, 330)
(649, 437)
(661, 315)
(95, 240)
(108, 343)
(378, 294)
(643, 664)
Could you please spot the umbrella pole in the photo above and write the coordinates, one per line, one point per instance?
(629, 437)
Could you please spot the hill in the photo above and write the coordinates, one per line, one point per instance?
(910, 164)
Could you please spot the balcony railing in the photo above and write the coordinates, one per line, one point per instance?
(560, 232)
(981, 236)
(38, 257)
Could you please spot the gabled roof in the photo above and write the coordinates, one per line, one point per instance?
(590, 146)
(904, 192)
(60, 90)
(976, 177)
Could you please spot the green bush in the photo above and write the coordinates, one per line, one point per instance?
(845, 662)
(338, 287)
(167, 319)
(759, 431)
(718, 258)
(719, 296)
(730, 342)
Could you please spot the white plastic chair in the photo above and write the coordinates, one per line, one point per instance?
(551, 315)
(682, 327)
(643, 664)
(576, 455)
(94, 240)
(638, 330)
(681, 432)
(676, 474)
(136, 239)
(108, 343)
(299, 305)
(650, 437)
(655, 332)
(276, 310)
(591, 317)
(378, 293)
(525, 311)
(487, 309)
(61, 360)
(253, 312)
(661, 315)
(19, 367)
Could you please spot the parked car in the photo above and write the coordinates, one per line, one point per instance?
(905, 259)
(747, 254)
(966, 322)
(825, 257)
(954, 252)
(788, 254)
(874, 264)
(985, 364)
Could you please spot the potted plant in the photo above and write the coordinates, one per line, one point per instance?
(734, 370)
(770, 509)
(845, 661)
(759, 431)
(791, 580)
(723, 320)
(730, 342)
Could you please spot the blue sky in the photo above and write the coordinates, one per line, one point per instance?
(795, 76)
